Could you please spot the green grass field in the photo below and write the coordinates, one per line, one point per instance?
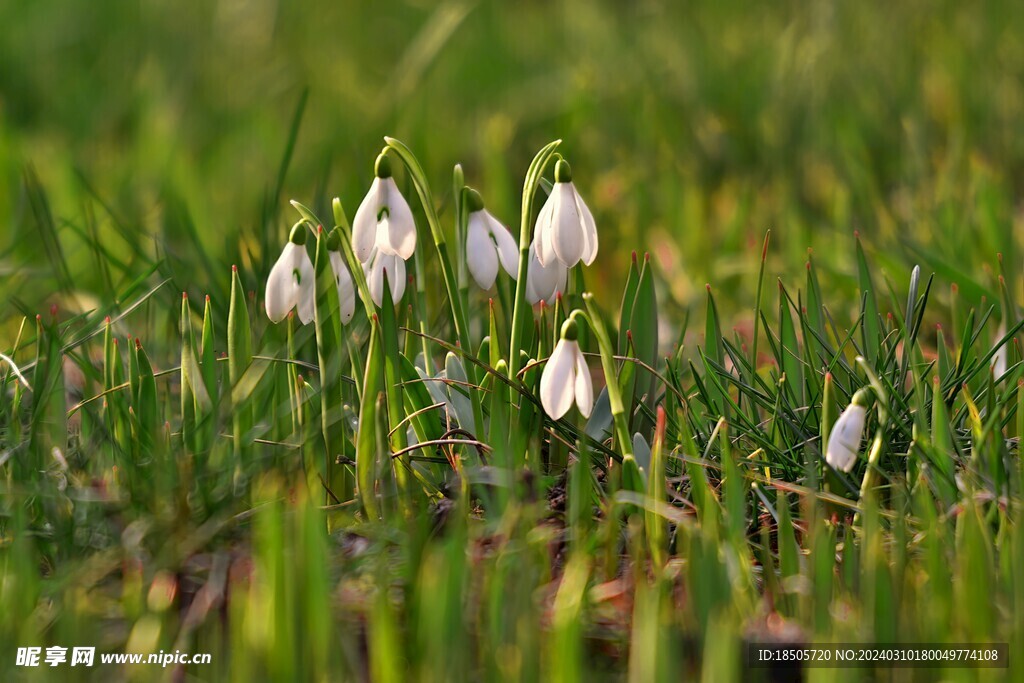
(801, 207)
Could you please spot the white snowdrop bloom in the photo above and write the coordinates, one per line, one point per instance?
(384, 219)
(346, 290)
(1000, 360)
(543, 283)
(565, 227)
(395, 267)
(488, 244)
(292, 281)
(844, 439)
(566, 378)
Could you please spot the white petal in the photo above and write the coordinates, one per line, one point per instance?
(346, 293)
(1001, 357)
(542, 279)
(395, 267)
(400, 235)
(281, 287)
(375, 277)
(589, 229)
(532, 297)
(542, 231)
(307, 287)
(561, 280)
(584, 385)
(844, 440)
(557, 389)
(364, 226)
(566, 226)
(481, 256)
(383, 243)
(508, 250)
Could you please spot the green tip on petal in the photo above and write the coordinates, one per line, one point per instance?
(298, 233)
(563, 172)
(474, 202)
(383, 166)
(862, 397)
(334, 240)
(569, 331)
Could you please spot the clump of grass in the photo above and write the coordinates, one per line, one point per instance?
(388, 497)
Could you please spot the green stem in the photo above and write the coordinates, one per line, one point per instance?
(520, 309)
(458, 312)
(604, 345)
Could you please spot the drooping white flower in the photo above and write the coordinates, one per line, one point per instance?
(379, 263)
(291, 283)
(566, 378)
(488, 244)
(544, 283)
(346, 291)
(384, 219)
(1000, 360)
(565, 227)
(844, 439)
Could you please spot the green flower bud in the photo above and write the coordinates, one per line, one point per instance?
(569, 330)
(334, 240)
(563, 173)
(298, 233)
(383, 166)
(474, 202)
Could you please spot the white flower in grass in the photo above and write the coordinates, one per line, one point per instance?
(566, 378)
(384, 219)
(544, 283)
(291, 282)
(845, 437)
(346, 290)
(488, 244)
(378, 264)
(1000, 359)
(565, 227)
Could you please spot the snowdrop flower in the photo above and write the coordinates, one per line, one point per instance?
(566, 378)
(565, 227)
(488, 243)
(291, 281)
(384, 219)
(395, 267)
(844, 439)
(1001, 357)
(543, 283)
(342, 278)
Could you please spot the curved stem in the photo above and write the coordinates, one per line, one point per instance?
(520, 309)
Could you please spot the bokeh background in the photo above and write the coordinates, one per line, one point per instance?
(162, 131)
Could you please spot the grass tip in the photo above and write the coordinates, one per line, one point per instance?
(234, 268)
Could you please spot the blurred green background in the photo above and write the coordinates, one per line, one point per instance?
(158, 130)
